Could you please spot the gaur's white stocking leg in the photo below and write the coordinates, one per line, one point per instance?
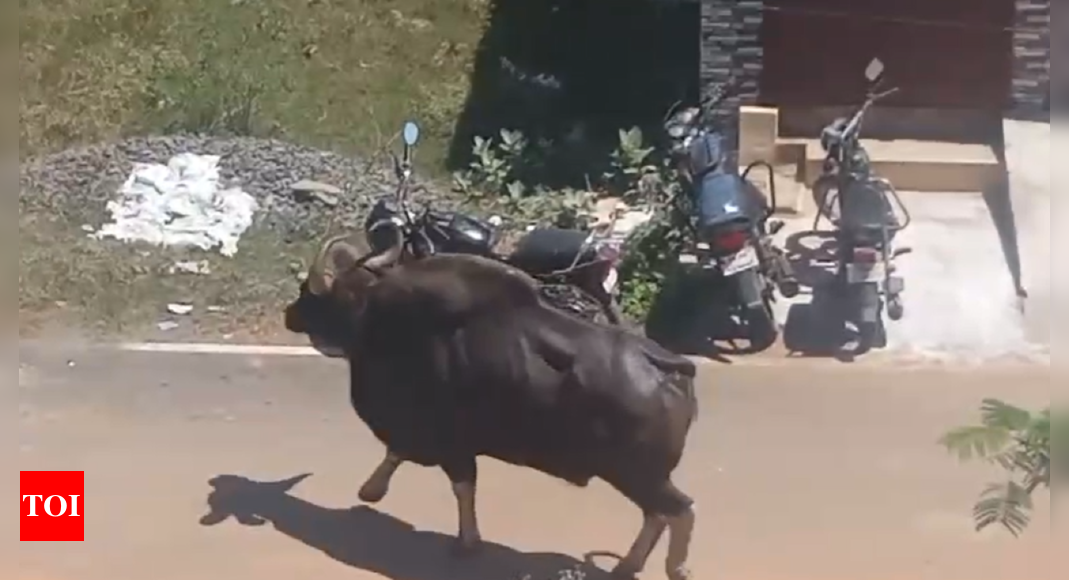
(635, 561)
(680, 533)
(462, 475)
(378, 484)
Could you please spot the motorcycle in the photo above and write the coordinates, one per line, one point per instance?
(577, 270)
(730, 220)
(861, 208)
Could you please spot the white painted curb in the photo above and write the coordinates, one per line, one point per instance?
(754, 361)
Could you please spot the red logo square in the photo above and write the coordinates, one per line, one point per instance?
(52, 506)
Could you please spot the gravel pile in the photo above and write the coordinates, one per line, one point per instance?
(83, 180)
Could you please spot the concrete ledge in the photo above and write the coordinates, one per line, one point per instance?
(921, 165)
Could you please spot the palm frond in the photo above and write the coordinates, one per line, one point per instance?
(1008, 505)
(1019, 442)
(977, 442)
(999, 415)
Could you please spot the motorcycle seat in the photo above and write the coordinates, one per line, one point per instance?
(547, 250)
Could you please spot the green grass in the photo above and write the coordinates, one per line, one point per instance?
(340, 75)
(337, 74)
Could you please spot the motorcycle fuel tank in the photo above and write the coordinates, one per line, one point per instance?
(705, 152)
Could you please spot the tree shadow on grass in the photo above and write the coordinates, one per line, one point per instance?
(571, 73)
(370, 540)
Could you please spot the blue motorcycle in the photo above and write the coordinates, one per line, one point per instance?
(730, 220)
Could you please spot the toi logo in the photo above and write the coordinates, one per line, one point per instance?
(52, 506)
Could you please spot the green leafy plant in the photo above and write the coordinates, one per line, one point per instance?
(633, 174)
(501, 178)
(639, 179)
(1019, 442)
(651, 259)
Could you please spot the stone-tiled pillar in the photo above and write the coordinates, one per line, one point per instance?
(1031, 62)
(732, 51)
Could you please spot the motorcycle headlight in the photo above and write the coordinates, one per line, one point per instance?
(677, 131)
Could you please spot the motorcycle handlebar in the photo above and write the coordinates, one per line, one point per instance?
(710, 101)
(855, 121)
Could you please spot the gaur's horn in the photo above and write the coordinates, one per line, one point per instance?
(390, 256)
(321, 273)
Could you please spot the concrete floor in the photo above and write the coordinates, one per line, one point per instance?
(960, 298)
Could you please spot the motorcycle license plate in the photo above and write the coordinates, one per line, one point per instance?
(745, 259)
(611, 281)
(866, 273)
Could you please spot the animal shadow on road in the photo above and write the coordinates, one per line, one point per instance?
(367, 539)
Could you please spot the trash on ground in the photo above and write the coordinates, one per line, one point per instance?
(180, 204)
(216, 309)
(201, 267)
(180, 309)
(167, 325)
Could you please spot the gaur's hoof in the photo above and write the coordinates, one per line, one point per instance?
(372, 494)
(466, 549)
(680, 574)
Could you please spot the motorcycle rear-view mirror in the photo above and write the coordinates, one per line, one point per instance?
(874, 72)
(411, 133)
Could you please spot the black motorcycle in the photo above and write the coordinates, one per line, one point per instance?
(730, 220)
(578, 270)
(862, 208)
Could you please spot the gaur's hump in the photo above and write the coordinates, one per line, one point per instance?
(457, 285)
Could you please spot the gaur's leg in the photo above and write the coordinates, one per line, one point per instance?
(663, 506)
(678, 509)
(462, 475)
(378, 485)
(634, 562)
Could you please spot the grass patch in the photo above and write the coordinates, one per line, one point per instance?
(339, 75)
(112, 288)
(336, 74)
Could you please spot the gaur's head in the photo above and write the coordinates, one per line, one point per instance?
(333, 295)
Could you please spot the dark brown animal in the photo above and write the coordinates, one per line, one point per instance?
(454, 357)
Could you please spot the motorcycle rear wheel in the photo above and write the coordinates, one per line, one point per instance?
(870, 333)
(761, 328)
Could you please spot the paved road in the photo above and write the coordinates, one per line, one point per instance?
(801, 473)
